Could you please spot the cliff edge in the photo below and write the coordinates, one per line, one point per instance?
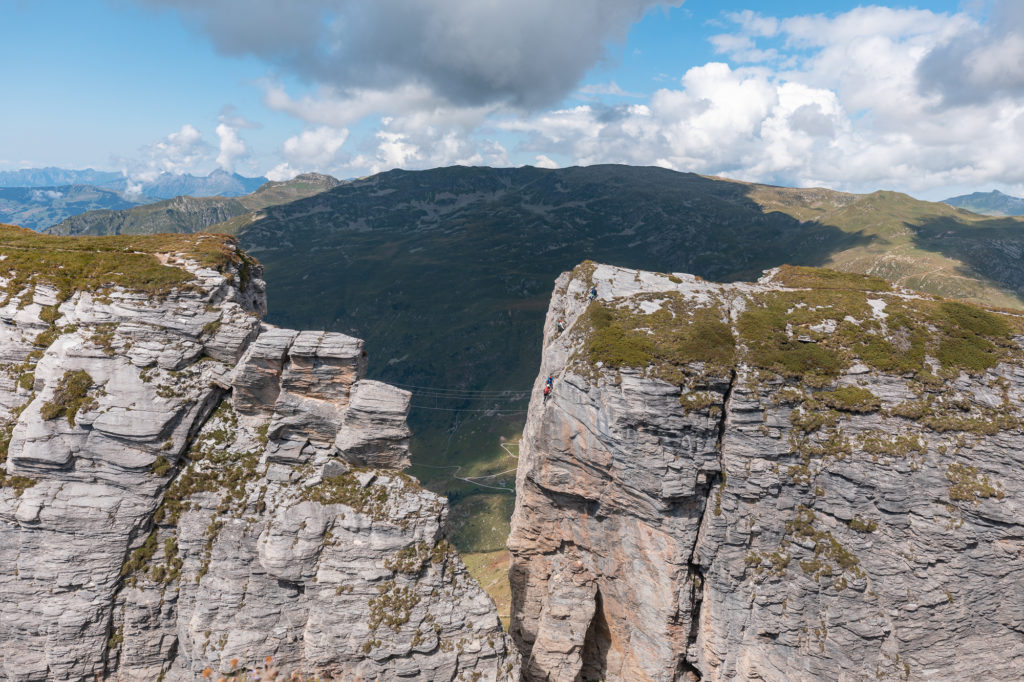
(185, 490)
(814, 476)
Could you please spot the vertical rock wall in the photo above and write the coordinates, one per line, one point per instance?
(725, 521)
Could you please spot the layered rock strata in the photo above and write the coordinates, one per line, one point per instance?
(811, 477)
(186, 491)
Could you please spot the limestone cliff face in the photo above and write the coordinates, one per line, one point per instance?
(185, 488)
(812, 477)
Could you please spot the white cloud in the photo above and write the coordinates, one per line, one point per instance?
(828, 100)
(418, 142)
(232, 147)
(281, 172)
(545, 162)
(314, 149)
(46, 195)
(179, 152)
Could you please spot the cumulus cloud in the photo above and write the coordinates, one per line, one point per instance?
(231, 146)
(528, 53)
(980, 63)
(179, 152)
(721, 120)
(314, 148)
(808, 100)
(428, 142)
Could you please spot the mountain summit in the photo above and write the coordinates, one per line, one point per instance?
(993, 203)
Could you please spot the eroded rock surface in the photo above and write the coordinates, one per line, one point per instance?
(186, 489)
(812, 477)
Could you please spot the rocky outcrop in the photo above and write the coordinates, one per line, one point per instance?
(186, 490)
(811, 477)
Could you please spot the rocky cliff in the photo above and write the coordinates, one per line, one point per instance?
(186, 491)
(811, 477)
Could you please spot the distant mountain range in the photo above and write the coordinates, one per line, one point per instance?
(192, 214)
(38, 198)
(993, 203)
(217, 183)
(165, 186)
(56, 177)
(39, 207)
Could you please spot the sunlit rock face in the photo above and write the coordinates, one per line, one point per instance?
(811, 477)
(187, 491)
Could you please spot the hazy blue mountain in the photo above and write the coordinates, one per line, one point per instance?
(39, 207)
(53, 177)
(217, 183)
(165, 186)
(993, 203)
(194, 214)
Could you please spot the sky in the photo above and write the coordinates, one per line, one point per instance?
(925, 98)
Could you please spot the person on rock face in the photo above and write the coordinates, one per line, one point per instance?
(593, 293)
(551, 381)
(547, 391)
(560, 325)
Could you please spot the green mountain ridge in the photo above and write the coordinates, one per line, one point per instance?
(187, 214)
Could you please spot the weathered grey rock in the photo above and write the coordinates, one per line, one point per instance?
(257, 379)
(374, 432)
(716, 540)
(186, 513)
(341, 577)
(316, 380)
(93, 490)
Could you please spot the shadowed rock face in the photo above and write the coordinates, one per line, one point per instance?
(730, 517)
(178, 493)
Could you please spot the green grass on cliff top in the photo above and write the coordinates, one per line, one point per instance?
(95, 263)
(787, 331)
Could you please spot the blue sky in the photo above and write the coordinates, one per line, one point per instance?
(925, 97)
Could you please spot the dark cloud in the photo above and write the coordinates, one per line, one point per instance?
(981, 64)
(527, 53)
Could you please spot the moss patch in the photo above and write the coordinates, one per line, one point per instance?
(850, 399)
(776, 330)
(214, 467)
(676, 334)
(70, 396)
(346, 489)
(831, 559)
(799, 277)
(966, 485)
